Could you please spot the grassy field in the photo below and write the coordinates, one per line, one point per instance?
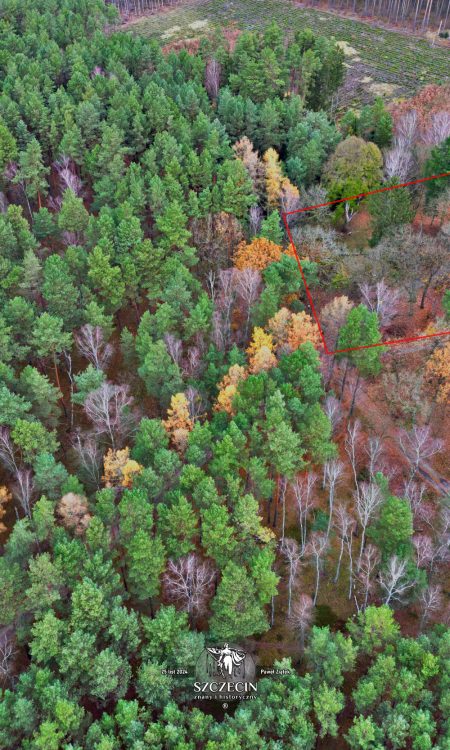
(379, 62)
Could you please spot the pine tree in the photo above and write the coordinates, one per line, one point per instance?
(237, 614)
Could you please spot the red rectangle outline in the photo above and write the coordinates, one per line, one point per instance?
(394, 342)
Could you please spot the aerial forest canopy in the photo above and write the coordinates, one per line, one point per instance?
(164, 408)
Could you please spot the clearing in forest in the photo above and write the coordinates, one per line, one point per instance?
(396, 64)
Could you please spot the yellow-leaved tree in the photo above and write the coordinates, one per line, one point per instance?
(178, 423)
(280, 192)
(119, 468)
(274, 177)
(260, 352)
(228, 387)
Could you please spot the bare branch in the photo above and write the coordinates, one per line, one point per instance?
(418, 445)
(189, 582)
(394, 580)
(302, 616)
(108, 409)
(91, 344)
(303, 491)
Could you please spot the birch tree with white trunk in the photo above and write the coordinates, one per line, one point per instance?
(332, 474)
(292, 553)
(317, 545)
(369, 563)
(304, 494)
(394, 580)
(368, 499)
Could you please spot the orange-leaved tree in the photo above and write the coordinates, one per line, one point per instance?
(5, 497)
(279, 326)
(257, 254)
(437, 373)
(302, 328)
(178, 423)
(291, 330)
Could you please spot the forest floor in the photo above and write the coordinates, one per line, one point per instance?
(379, 61)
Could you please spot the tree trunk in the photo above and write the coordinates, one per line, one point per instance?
(344, 379)
(354, 395)
(316, 592)
(338, 568)
(363, 541)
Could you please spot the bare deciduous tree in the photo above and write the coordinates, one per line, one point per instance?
(352, 440)
(333, 409)
(317, 545)
(174, 347)
(255, 216)
(89, 457)
(332, 473)
(248, 287)
(418, 445)
(302, 616)
(368, 498)
(189, 582)
(430, 600)
(108, 409)
(303, 491)
(22, 485)
(24, 488)
(369, 562)
(290, 550)
(345, 526)
(68, 178)
(192, 364)
(224, 301)
(7, 654)
(7, 455)
(407, 128)
(438, 129)
(195, 402)
(92, 345)
(374, 451)
(382, 300)
(414, 493)
(394, 580)
(424, 547)
(399, 161)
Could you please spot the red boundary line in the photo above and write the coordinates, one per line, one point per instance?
(393, 342)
